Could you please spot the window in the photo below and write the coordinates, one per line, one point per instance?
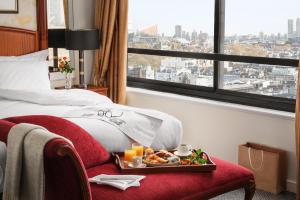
(171, 69)
(56, 20)
(164, 25)
(269, 80)
(218, 49)
(270, 32)
(180, 30)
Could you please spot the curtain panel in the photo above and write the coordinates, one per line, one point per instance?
(110, 68)
(297, 133)
(66, 12)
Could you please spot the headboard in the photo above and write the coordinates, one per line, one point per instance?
(16, 41)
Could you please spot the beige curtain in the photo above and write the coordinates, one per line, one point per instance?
(111, 18)
(66, 12)
(298, 133)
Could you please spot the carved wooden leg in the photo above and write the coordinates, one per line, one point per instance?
(249, 190)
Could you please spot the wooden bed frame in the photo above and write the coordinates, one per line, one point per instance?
(16, 41)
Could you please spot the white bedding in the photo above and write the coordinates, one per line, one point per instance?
(60, 102)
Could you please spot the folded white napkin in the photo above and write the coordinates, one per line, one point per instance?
(121, 182)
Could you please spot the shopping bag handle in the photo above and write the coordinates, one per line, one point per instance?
(250, 160)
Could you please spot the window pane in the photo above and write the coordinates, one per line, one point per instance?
(264, 28)
(166, 25)
(179, 70)
(51, 61)
(261, 79)
(61, 53)
(56, 17)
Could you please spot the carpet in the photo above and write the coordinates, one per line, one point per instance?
(259, 195)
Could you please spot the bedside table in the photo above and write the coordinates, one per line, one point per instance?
(99, 90)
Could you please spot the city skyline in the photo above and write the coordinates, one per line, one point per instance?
(182, 33)
(141, 15)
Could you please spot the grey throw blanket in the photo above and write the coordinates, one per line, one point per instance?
(24, 173)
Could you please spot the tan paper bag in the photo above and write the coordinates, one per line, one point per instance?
(268, 165)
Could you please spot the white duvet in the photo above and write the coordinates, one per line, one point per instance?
(63, 102)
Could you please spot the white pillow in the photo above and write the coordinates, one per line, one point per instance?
(36, 56)
(24, 75)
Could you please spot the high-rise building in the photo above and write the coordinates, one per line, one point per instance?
(298, 27)
(178, 30)
(290, 28)
(183, 34)
(187, 36)
(261, 35)
(194, 35)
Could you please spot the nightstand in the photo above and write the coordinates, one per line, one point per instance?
(99, 90)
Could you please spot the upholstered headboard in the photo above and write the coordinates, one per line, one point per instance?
(15, 41)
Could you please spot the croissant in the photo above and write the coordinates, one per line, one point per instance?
(161, 160)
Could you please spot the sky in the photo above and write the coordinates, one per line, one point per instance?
(242, 16)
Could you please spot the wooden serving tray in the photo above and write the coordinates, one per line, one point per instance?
(119, 161)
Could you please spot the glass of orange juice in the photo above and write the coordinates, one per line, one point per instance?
(138, 148)
(128, 155)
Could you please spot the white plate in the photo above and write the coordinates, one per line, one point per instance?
(140, 166)
(176, 153)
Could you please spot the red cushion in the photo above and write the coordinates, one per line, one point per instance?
(173, 186)
(91, 151)
(5, 127)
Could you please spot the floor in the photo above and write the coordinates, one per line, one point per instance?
(259, 195)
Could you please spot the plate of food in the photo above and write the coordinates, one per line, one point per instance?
(197, 157)
(161, 158)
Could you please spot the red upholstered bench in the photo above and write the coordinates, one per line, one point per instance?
(172, 186)
(67, 170)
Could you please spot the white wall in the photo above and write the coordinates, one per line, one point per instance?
(25, 18)
(220, 127)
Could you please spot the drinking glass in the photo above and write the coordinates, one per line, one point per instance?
(128, 155)
(138, 148)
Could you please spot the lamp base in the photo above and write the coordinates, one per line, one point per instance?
(81, 69)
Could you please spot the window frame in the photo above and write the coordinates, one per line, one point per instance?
(215, 93)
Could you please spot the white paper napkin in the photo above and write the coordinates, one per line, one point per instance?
(121, 182)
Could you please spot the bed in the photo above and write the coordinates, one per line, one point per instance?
(23, 67)
(64, 103)
(24, 70)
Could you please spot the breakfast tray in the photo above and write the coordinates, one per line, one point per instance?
(119, 161)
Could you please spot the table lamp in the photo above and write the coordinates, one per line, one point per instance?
(82, 39)
(56, 39)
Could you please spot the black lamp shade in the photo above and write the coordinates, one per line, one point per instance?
(83, 39)
(56, 38)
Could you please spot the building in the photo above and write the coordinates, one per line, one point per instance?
(290, 28)
(194, 35)
(294, 35)
(150, 30)
(187, 36)
(298, 27)
(178, 30)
